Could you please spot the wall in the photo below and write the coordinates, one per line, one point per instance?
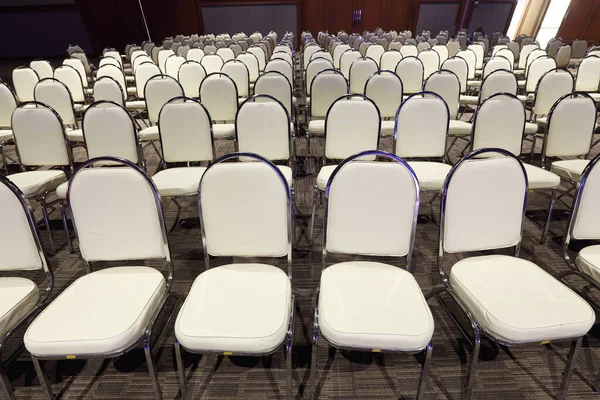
(438, 16)
(493, 16)
(581, 21)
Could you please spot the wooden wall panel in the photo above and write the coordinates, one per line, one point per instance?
(314, 14)
(582, 20)
(171, 17)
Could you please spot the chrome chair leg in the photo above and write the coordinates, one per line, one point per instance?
(43, 379)
(63, 213)
(570, 367)
(288, 347)
(425, 372)
(312, 217)
(5, 386)
(313, 362)
(151, 368)
(473, 364)
(47, 222)
(552, 200)
(3, 158)
(180, 369)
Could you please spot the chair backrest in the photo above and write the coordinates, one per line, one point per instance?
(159, 90)
(534, 55)
(536, 70)
(579, 48)
(584, 223)
(195, 54)
(479, 51)
(280, 55)
(469, 56)
(271, 83)
(494, 64)
(185, 129)
(360, 70)
(423, 46)
(8, 104)
(588, 75)
(210, 49)
(553, 85)
(509, 55)
(321, 54)
(251, 63)
(262, 126)
(114, 54)
(172, 65)
(212, 63)
(144, 72)
(385, 89)
(238, 71)
(346, 60)
(55, 94)
(524, 54)
(500, 81)
(497, 48)
(479, 213)
(79, 67)
(352, 125)
(107, 88)
(218, 93)
(326, 88)
(139, 60)
(453, 47)
(40, 136)
(281, 66)
(375, 51)
(43, 68)
(430, 60)
(563, 56)
(162, 58)
(109, 131)
(389, 60)
(409, 50)
(108, 228)
(553, 46)
(70, 77)
(447, 85)
(24, 80)
(261, 56)
(421, 126)
(442, 51)
(113, 72)
(137, 53)
(571, 125)
(337, 54)
(313, 68)
(460, 68)
(109, 61)
(499, 122)
(190, 76)
(360, 195)
(411, 72)
(226, 54)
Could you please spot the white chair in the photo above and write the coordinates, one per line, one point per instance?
(321, 54)
(346, 60)
(158, 91)
(314, 67)
(43, 68)
(588, 76)
(421, 128)
(162, 59)
(212, 63)
(423, 46)
(41, 142)
(116, 74)
(251, 322)
(251, 63)
(352, 125)
(385, 89)
(80, 68)
(552, 86)
(411, 72)
(431, 62)
(195, 54)
(447, 85)
(509, 55)
(283, 67)
(460, 68)
(469, 56)
(109, 61)
(190, 76)
(326, 88)
(271, 83)
(280, 55)
(375, 52)
(185, 128)
(226, 54)
(260, 55)
(55, 94)
(479, 51)
(500, 81)
(219, 95)
(22, 253)
(172, 65)
(92, 323)
(337, 54)
(107, 88)
(8, 104)
(371, 210)
(238, 71)
(494, 64)
(536, 70)
(409, 50)
(112, 53)
(24, 81)
(508, 299)
(307, 53)
(360, 70)
(389, 60)
(442, 51)
(531, 57)
(70, 77)
(143, 73)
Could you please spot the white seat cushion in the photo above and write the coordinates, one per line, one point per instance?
(223, 131)
(80, 107)
(431, 175)
(5, 135)
(459, 128)
(516, 301)
(102, 312)
(287, 173)
(387, 128)
(316, 127)
(182, 181)
(150, 133)
(595, 96)
(372, 305)
(473, 83)
(522, 97)
(18, 296)
(521, 83)
(588, 262)
(569, 169)
(131, 90)
(33, 183)
(135, 105)
(61, 191)
(518, 71)
(237, 308)
(539, 178)
(471, 100)
(130, 79)
(75, 135)
(324, 174)
(530, 128)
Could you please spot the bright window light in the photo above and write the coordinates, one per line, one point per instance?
(552, 20)
(516, 19)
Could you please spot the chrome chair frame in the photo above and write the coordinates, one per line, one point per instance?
(4, 143)
(289, 337)
(145, 339)
(315, 334)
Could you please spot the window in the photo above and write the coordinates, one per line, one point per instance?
(552, 20)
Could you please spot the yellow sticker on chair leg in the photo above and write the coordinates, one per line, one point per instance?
(545, 342)
(376, 350)
(227, 353)
(71, 357)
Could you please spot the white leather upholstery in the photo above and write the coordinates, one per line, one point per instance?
(372, 305)
(190, 76)
(469, 56)
(588, 262)
(149, 133)
(474, 203)
(442, 51)
(230, 198)
(551, 87)
(195, 54)
(162, 58)
(110, 131)
(223, 131)
(323, 176)
(277, 86)
(499, 82)
(586, 224)
(237, 308)
(431, 62)
(102, 312)
(181, 181)
(314, 67)
(571, 127)
(56, 95)
(9, 104)
(536, 70)
(327, 87)
(469, 100)
(375, 52)
(422, 128)
(262, 128)
(157, 92)
(219, 95)
(108, 89)
(531, 128)
(459, 128)
(6, 135)
(540, 178)
(588, 75)
(104, 202)
(499, 123)
(460, 68)
(43, 68)
(212, 63)
(238, 71)
(516, 301)
(70, 77)
(251, 63)
(389, 60)
(447, 86)
(409, 51)
(317, 127)
(346, 61)
(61, 190)
(385, 89)
(494, 64)
(308, 52)
(24, 80)
(114, 72)
(479, 51)
(172, 65)
(261, 57)
(185, 132)
(361, 195)
(337, 54)
(33, 183)
(142, 74)
(352, 126)
(509, 55)
(431, 175)
(283, 67)
(18, 296)
(387, 128)
(136, 105)
(569, 169)
(360, 70)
